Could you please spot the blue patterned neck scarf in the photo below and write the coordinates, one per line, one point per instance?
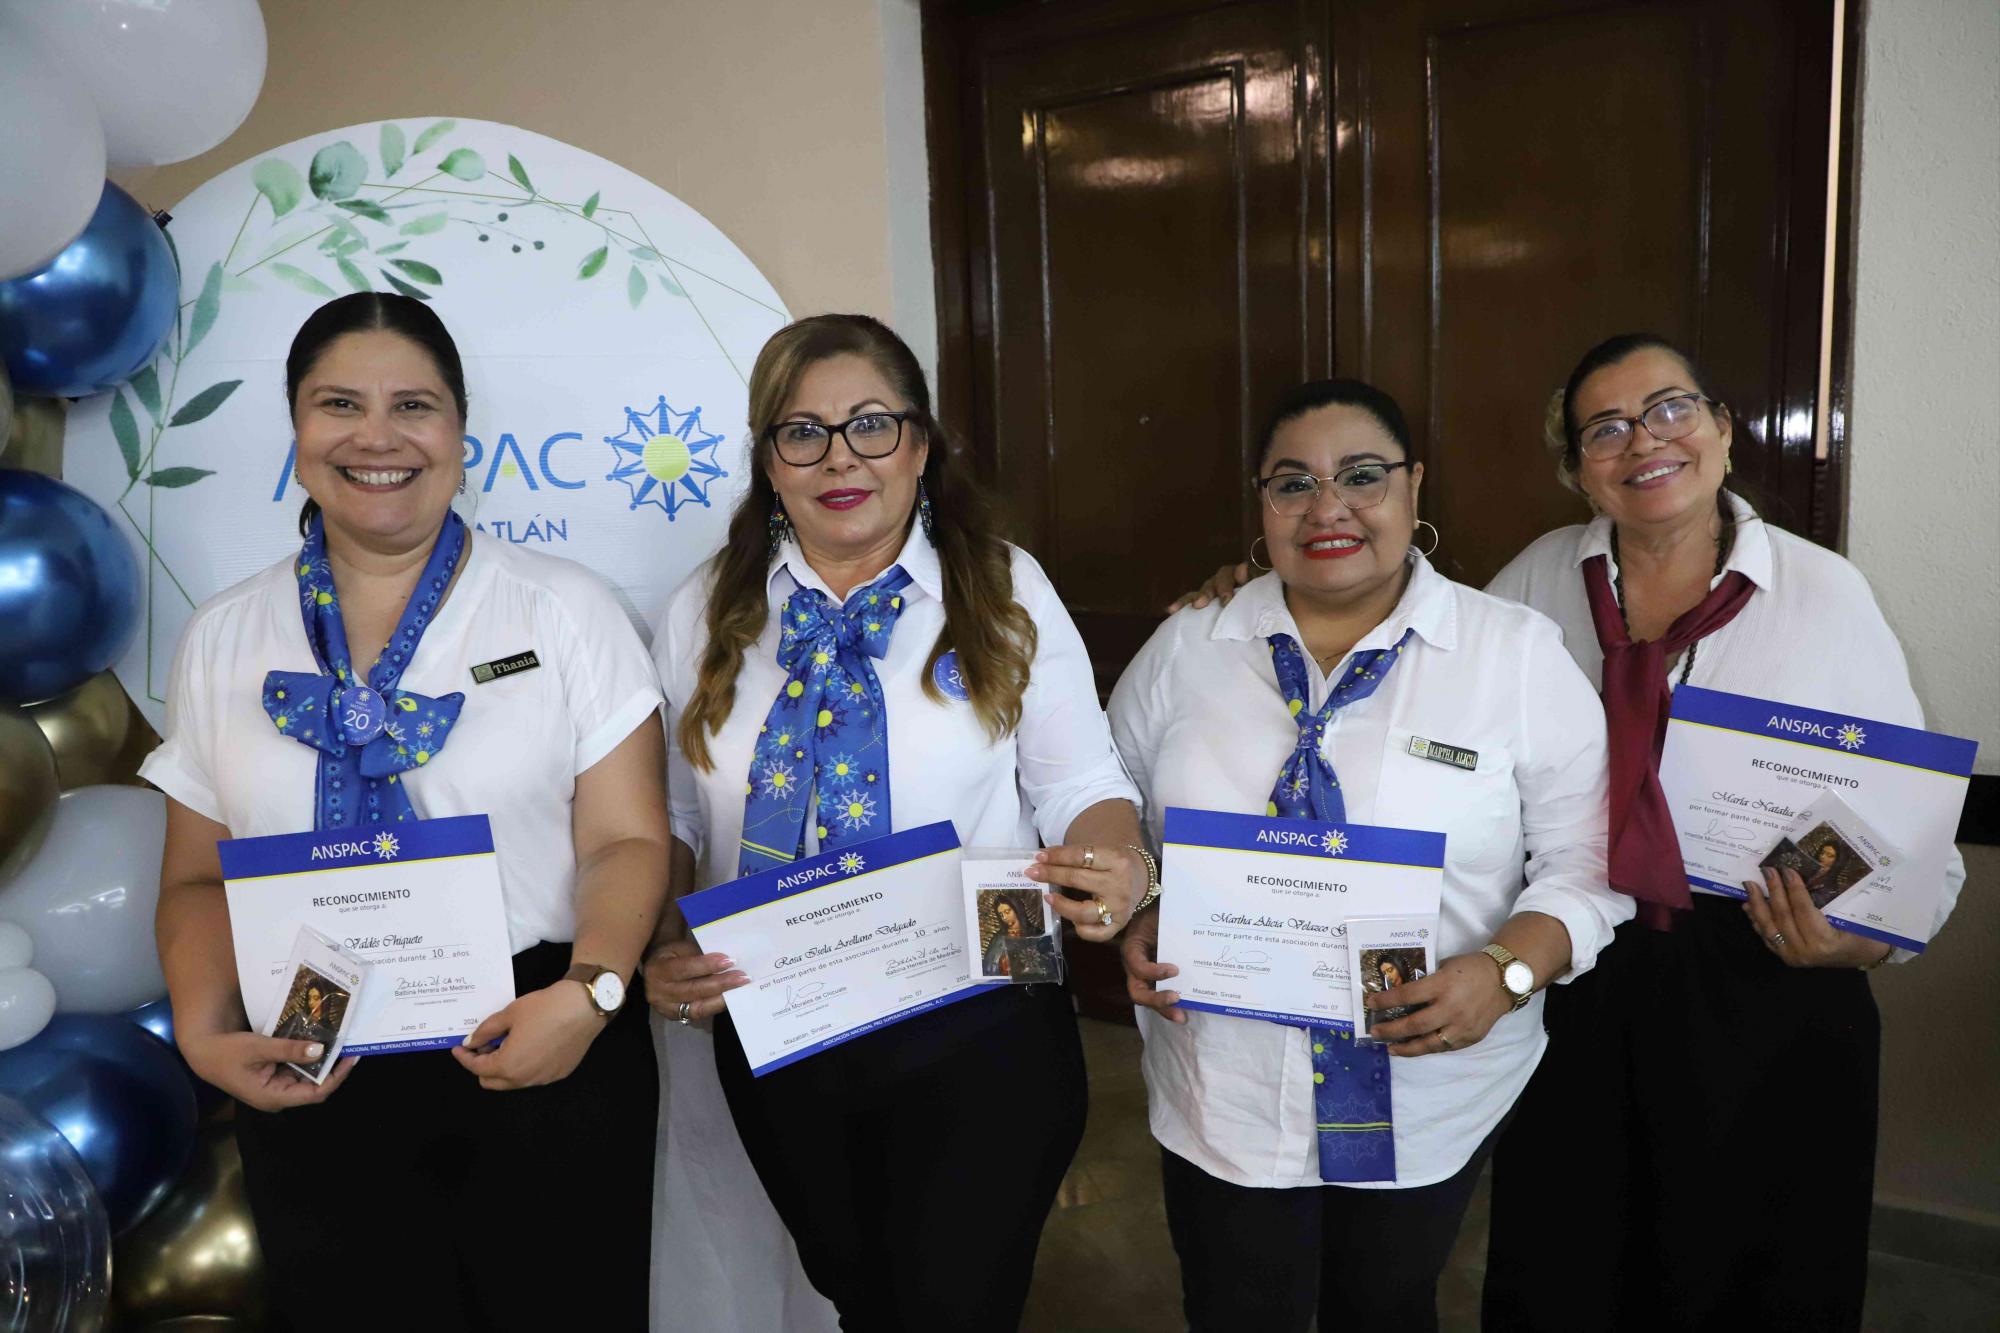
(368, 732)
(1351, 1102)
(827, 734)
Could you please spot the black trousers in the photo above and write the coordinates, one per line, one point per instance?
(915, 1166)
(1697, 1149)
(1259, 1260)
(413, 1198)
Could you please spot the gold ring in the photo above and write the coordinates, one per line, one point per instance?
(1089, 858)
(1105, 916)
(1446, 1040)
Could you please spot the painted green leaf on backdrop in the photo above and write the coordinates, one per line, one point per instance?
(205, 402)
(392, 148)
(237, 284)
(592, 262)
(278, 181)
(433, 134)
(519, 173)
(404, 287)
(392, 249)
(338, 170)
(425, 225)
(645, 253)
(126, 431)
(669, 286)
(355, 277)
(366, 208)
(419, 270)
(206, 306)
(145, 387)
(464, 164)
(635, 286)
(590, 205)
(301, 279)
(169, 478)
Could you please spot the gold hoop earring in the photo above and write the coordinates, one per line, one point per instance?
(1253, 555)
(1436, 536)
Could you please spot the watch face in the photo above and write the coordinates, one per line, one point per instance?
(609, 989)
(1519, 978)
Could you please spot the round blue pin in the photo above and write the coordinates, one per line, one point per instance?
(361, 714)
(945, 675)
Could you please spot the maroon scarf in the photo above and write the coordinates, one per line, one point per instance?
(1645, 852)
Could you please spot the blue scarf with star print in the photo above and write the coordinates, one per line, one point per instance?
(1351, 1103)
(825, 742)
(368, 732)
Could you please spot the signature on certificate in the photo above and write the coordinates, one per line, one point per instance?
(1241, 960)
(798, 995)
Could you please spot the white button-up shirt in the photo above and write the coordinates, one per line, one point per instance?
(1201, 723)
(1009, 792)
(1810, 635)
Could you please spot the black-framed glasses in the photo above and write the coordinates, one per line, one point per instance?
(870, 435)
(1362, 486)
(1669, 419)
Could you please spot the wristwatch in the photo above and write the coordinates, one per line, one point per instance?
(604, 986)
(1152, 879)
(1516, 977)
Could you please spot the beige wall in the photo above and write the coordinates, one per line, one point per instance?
(767, 116)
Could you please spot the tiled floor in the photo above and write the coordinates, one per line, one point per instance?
(1106, 1265)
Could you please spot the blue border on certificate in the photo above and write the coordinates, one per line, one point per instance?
(343, 849)
(1303, 837)
(1842, 733)
(1837, 922)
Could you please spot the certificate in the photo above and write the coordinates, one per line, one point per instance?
(419, 902)
(1865, 810)
(1254, 911)
(841, 944)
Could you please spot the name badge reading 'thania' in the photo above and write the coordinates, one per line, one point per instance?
(486, 672)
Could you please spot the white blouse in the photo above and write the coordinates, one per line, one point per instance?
(1201, 723)
(516, 750)
(1811, 634)
(1010, 792)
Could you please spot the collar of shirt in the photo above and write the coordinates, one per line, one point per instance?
(1749, 554)
(918, 558)
(1429, 605)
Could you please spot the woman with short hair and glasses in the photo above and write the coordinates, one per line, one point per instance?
(1287, 1196)
(1719, 1045)
(868, 655)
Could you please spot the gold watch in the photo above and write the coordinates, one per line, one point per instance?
(1516, 977)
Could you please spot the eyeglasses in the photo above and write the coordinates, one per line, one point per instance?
(1669, 419)
(1362, 486)
(870, 435)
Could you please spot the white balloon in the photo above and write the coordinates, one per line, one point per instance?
(17, 946)
(51, 153)
(171, 78)
(27, 1002)
(87, 898)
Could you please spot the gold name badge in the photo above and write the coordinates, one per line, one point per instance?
(1439, 752)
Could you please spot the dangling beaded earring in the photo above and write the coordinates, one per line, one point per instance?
(924, 515)
(780, 525)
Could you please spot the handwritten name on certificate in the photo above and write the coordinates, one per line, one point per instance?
(841, 944)
(1865, 811)
(1254, 911)
(419, 901)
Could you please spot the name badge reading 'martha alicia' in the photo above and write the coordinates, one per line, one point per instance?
(487, 672)
(1439, 752)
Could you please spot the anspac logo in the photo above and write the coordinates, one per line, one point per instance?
(851, 863)
(386, 846)
(666, 462)
(1848, 736)
(1335, 842)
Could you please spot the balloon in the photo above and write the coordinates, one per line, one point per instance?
(118, 1095)
(37, 438)
(55, 1243)
(198, 1251)
(51, 155)
(28, 787)
(27, 1002)
(17, 947)
(6, 405)
(88, 896)
(99, 312)
(170, 80)
(69, 588)
(86, 729)
(157, 1018)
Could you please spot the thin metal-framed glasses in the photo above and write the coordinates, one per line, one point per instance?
(1362, 486)
(870, 435)
(1669, 419)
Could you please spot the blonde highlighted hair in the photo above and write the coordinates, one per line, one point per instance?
(992, 633)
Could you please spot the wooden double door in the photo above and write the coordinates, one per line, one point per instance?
(1152, 218)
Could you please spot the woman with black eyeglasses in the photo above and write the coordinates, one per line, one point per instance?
(1307, 1176)
(867, 655)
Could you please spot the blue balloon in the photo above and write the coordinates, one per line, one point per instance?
(158, 1019)
(69, 588)
(100, 312)
(55, 1242)
(120, 1097)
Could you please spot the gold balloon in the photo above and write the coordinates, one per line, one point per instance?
(35, 439)
(28, 788)
(195, 1257)
(86, 729)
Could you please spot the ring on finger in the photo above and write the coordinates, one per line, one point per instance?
(1105, 916)
(1089, 858)
(686, 1016)
(1446, 1040)
(1777, 939)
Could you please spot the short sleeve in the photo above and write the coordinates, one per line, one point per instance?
(676, 648)
(608, 679)
(180, 767)
(1139, 709)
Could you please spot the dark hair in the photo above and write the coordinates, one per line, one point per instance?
(359, 313)
(1315, 394)
(992, 633)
